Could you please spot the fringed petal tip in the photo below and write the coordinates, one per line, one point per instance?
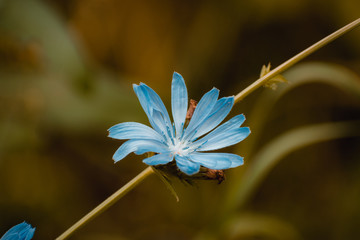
(177, 76)
(217, 161)
(238, 162)
(135, 86)
(246, 131)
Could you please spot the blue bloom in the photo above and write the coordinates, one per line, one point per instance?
(22, 231)
(174, 140)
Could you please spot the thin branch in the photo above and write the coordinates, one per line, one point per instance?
(107, 203)
(296, 59)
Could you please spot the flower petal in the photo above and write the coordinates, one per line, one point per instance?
(133, 130)
(233, 123)
(151, 102)
(157, 103)
(161, 158)
(187, 166)
(202, 110)
(30, 234)
(225, 139)
(139, 146)
(164, 129)
(21, 231)
(144, 104)
(216, 116)
(179, 102)
(17, 228)
(217, 160)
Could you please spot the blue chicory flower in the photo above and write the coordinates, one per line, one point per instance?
(186, 145)
(22, 231)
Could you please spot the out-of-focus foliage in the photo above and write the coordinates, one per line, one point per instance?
(66, 69)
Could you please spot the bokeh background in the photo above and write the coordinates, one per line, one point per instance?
(66, 75)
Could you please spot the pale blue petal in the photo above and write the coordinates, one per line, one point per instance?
(12, 236)
(144, 104)
(139, 146)
(187, 166)
(157, 103)
(16, 229)
(217, 161)
(142, 98)
(161, 158)
(22, 231)
(151, 103)
(133, 130)
(233, 123)
(30, 234)
(164, 129)
(202, 110)
(216, 116)
(225, 139)
(179, 102)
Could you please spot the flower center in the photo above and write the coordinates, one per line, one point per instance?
(179, 147)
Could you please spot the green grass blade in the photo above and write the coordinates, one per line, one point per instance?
(271, 154)
(251, 225)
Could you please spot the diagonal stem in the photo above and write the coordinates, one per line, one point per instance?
(107, 203)
(296, 59)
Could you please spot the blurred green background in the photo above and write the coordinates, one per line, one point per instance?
(66, 74)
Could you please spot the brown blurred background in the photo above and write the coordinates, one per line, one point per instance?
(66, 75)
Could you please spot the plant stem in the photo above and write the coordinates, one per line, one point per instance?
(107, 203)
(296, 59)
